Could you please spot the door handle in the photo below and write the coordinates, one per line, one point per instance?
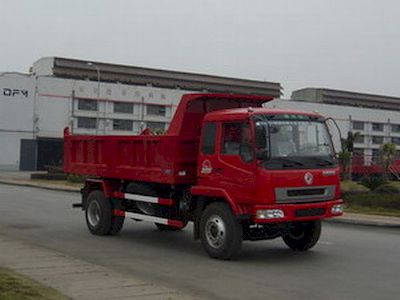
(218, 170)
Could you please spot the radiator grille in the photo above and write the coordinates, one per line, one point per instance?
(302, 192)
(305, 194)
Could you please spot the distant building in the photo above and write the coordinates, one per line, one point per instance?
(346, 98)
(375, 117)
(60, 92)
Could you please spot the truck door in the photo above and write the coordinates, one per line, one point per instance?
(236, 160)
(207, 171)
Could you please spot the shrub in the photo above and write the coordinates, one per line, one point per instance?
(353, 187)
(373, 200)
(389, 188)
(76, 178)
(373, 182)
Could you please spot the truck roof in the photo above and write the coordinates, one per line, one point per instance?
(243, 113)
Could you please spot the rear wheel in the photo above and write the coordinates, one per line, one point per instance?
(99, 217)
(220, 232)
(302, 236)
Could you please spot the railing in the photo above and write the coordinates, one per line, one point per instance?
(363, 165)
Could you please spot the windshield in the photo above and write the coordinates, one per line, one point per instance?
(294, 143)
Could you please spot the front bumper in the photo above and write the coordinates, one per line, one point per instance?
(298, 212)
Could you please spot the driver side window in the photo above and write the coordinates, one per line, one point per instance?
(236, 140)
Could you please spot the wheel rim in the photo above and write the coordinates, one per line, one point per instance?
(93, 213)
(215, 231)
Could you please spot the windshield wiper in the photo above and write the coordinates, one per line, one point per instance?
(324, 161)
(288, 162)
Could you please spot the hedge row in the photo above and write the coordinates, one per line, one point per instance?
(373, 200)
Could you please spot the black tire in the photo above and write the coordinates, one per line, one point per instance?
(220, 232)
(99, 217)
(163, 227)
(302, 236)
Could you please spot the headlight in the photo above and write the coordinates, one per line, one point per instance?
(337, 209)
(270, 214)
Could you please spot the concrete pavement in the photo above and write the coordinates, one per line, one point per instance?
(76, 278)
(24, 179)
(367, 220)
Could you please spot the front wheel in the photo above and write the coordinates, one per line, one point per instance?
(302, 236)
(220, 232)
(99, 217)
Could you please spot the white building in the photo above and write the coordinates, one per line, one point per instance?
(60, 92)
(376, 118)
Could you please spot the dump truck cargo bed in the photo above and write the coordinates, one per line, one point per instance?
(163, 159)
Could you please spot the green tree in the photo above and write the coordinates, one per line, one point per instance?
(387, 153)
(346, 156)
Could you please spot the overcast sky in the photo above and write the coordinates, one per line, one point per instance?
(344, 44)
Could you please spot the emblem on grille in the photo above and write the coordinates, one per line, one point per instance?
(308, 178)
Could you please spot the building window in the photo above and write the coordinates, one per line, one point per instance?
(151, 95)
(377, 140)
(163, 96)
(123, 107)
(357, 125)
(88, 123)
(156, 110)
(208, 142)
(84, 104)
(375, 155)
(396, 128)
(108, 92)
(123, 92)
(377, 126)
(156, 126)
(359, 139)
(396, 140)
(126, 125)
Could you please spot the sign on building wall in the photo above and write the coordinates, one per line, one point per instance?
(10, 92)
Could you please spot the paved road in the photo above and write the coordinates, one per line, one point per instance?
(350, 262)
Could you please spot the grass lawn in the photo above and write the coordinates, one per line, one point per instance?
(16, 287)
(373, 211)
(352, 186)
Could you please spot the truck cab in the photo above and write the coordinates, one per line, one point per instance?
(270, 163)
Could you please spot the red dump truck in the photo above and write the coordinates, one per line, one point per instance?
(238, 171)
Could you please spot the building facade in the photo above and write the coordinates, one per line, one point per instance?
(93, 98)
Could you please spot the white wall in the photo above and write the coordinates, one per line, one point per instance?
(16, 116)
(16, 102)
(10, 149)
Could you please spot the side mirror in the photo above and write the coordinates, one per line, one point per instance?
(262, 154)
(261, 136)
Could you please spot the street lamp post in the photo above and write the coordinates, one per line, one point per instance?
(98, 94)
